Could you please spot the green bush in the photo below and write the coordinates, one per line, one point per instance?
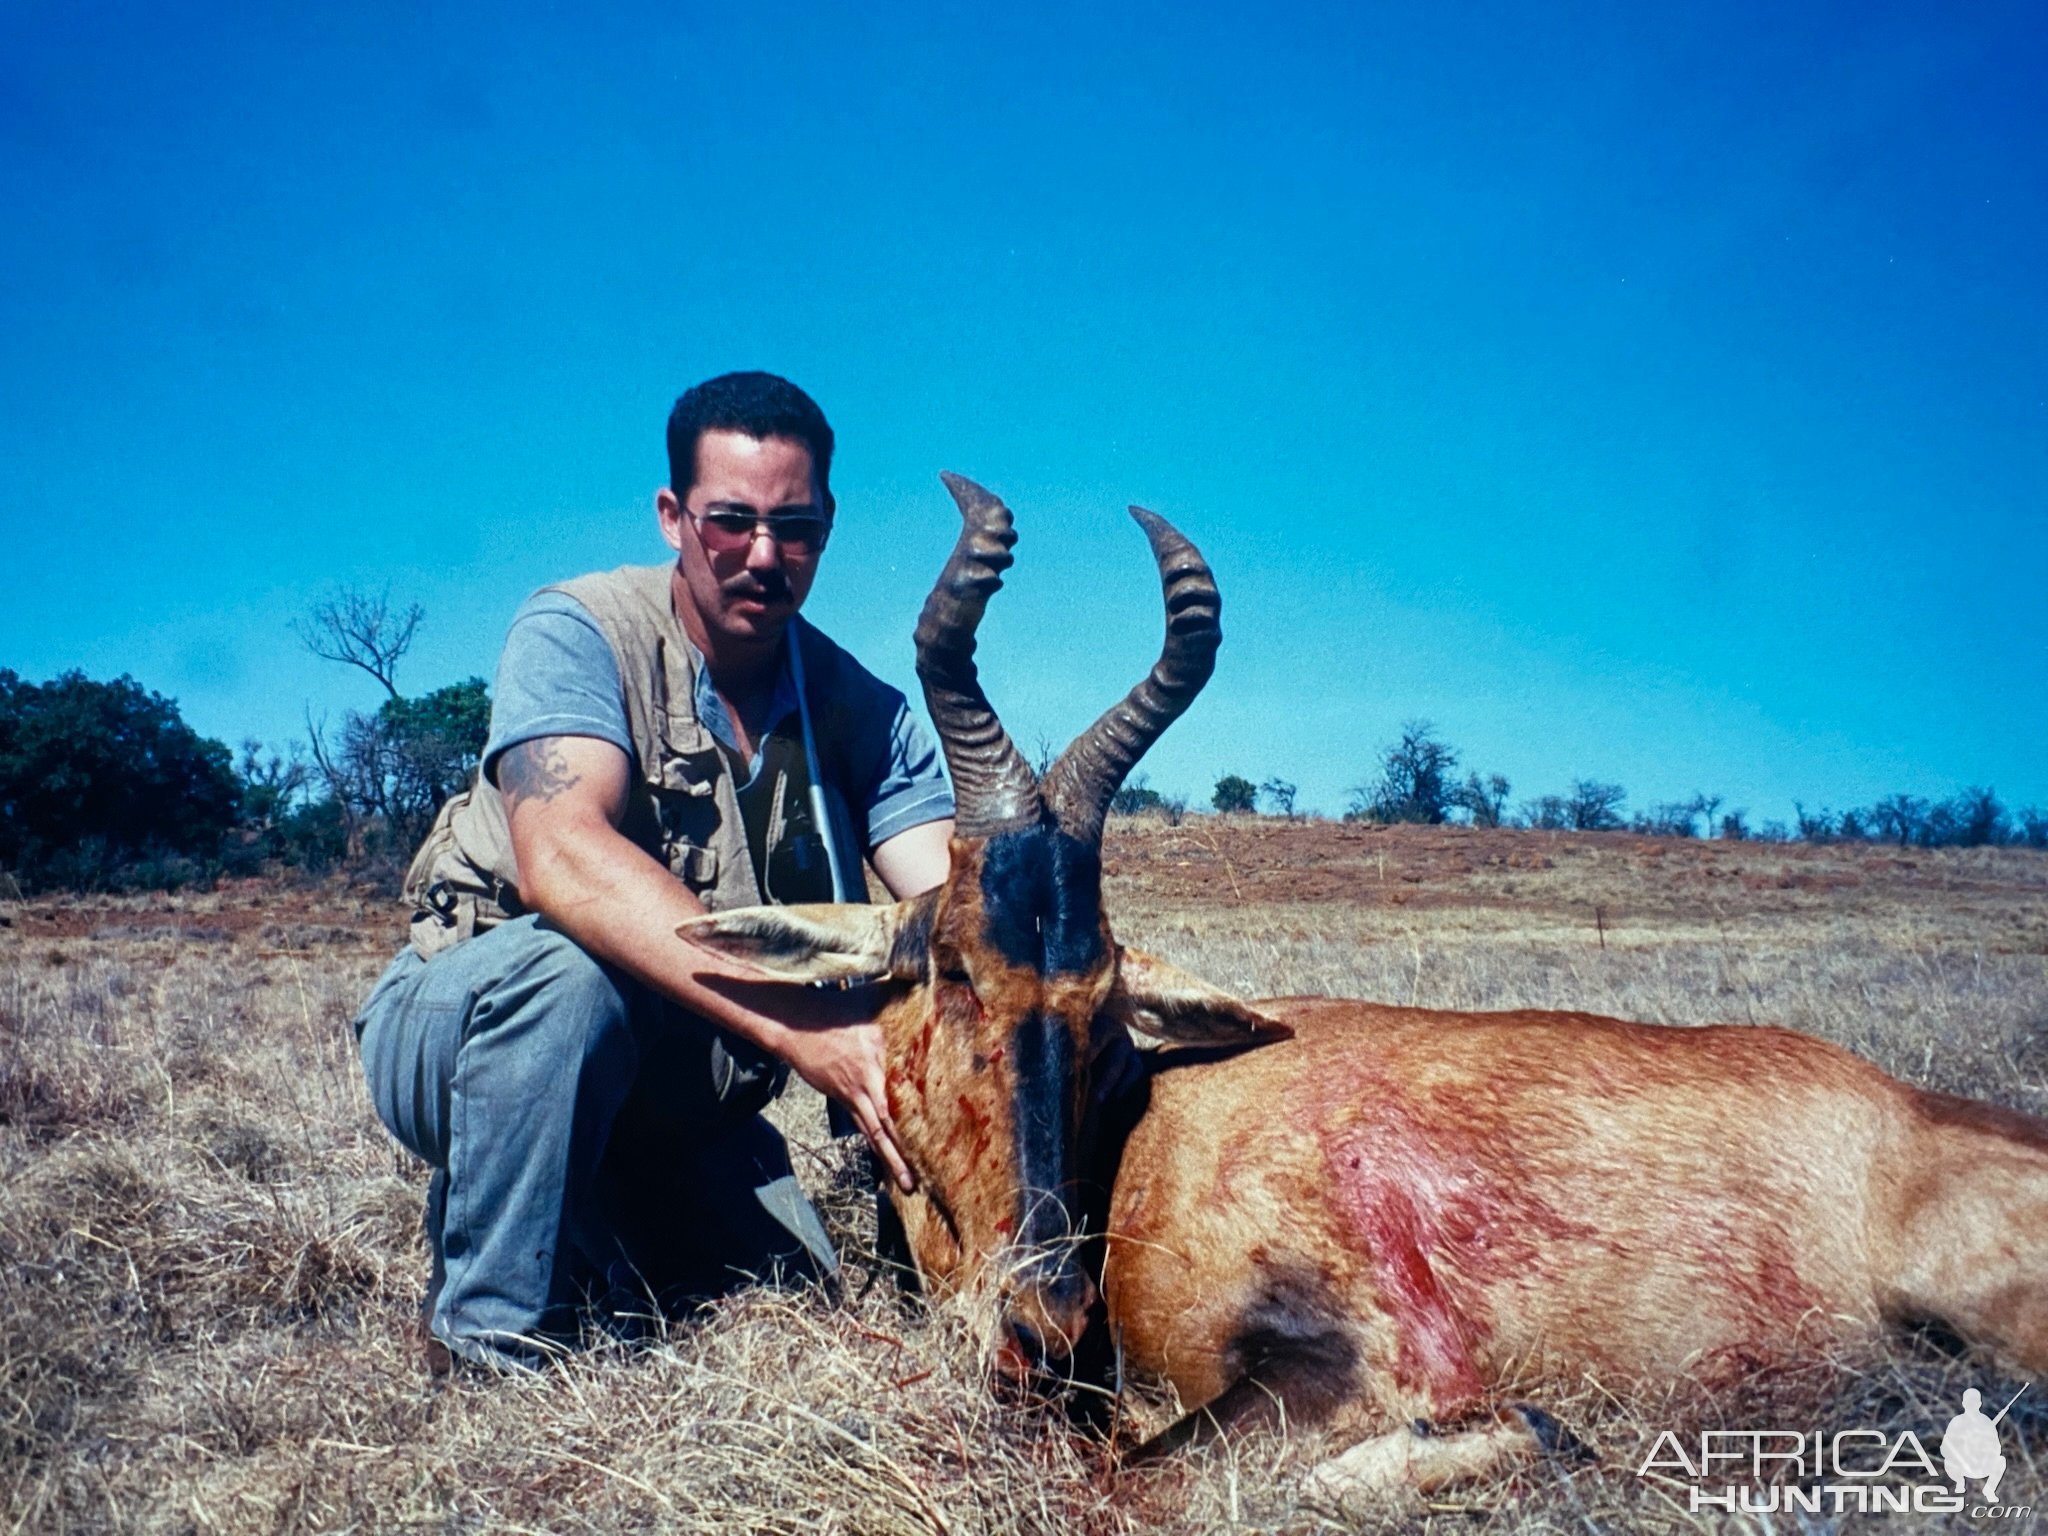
(103, 784)
(1234, 792)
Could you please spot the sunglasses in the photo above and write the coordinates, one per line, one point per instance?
(726, 531)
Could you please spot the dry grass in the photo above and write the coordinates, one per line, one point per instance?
(210, 1263)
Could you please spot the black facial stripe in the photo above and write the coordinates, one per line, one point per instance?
(1041, 898)
(912, 946)
(1042, 1054)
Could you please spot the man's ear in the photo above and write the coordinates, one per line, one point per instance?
(823, 941)
(668, 511)
(1162, 1000)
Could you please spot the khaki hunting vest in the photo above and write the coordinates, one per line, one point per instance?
(683, 809)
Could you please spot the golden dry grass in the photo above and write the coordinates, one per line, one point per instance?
(210, 1262)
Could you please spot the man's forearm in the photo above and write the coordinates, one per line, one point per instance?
(623, 907)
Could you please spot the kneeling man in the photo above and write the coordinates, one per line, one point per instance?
(586, 1086)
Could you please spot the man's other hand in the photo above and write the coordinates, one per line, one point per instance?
(844, 1059)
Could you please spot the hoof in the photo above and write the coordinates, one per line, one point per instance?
(1552, 1438)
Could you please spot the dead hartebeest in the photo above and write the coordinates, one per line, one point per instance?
(1374, 1216)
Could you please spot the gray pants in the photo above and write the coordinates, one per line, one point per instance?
(593, 1143)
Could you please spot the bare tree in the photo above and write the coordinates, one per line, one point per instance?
(1979, 817)
(270, 784)
(1044, 755)
(1900, 818)
(1415, 781)
(1679, 818)
(1485, 800)
(1593, 806)
(1281, 793)
(353, 786)
(361, 631)
(387, 773)
(1821, 826)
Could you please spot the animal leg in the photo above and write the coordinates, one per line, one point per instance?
(1397, 1466)
(1245, 1405)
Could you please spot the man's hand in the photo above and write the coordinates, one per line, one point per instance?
(846, 1061)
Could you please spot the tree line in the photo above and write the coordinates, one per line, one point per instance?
(104, 786)
(1418, 782)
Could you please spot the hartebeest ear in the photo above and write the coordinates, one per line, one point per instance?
(823, 941)
(1162, 1000)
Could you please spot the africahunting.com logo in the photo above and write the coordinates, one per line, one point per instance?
(1868, 1471)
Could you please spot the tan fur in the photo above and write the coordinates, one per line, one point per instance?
(1582, 1196)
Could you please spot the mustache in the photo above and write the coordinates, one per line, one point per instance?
(764, 587)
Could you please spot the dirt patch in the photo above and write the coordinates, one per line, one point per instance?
(274, 915)
(1268, 861)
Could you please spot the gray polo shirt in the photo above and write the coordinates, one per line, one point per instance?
(557, 677)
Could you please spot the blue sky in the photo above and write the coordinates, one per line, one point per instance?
(1650, 394)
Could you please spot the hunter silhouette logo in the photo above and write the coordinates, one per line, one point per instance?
(1969, 1446)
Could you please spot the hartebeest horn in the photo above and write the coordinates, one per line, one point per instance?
(1081, 784)
(994, 788)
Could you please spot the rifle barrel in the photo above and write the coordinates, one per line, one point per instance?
(2015, 1398)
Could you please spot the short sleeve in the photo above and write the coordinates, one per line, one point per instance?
(911, 788)
(556, 677)
(886, 765)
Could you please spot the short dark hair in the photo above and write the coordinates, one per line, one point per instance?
(758, 404)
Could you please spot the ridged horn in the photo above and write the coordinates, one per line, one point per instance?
(994, 789)
(1080, 785)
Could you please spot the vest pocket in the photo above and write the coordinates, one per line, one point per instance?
(743, 1076)
(433, 853)
(452, 896)
(695, 867)
(694, 1079)
(689, 836)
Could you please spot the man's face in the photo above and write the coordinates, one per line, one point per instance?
(749, 592)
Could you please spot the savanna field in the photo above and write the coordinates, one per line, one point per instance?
(210, 1260)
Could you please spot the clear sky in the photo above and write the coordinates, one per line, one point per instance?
(1651, 393)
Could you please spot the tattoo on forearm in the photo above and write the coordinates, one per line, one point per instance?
(535, 770)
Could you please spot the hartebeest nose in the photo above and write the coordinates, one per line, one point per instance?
(1042, 1326)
